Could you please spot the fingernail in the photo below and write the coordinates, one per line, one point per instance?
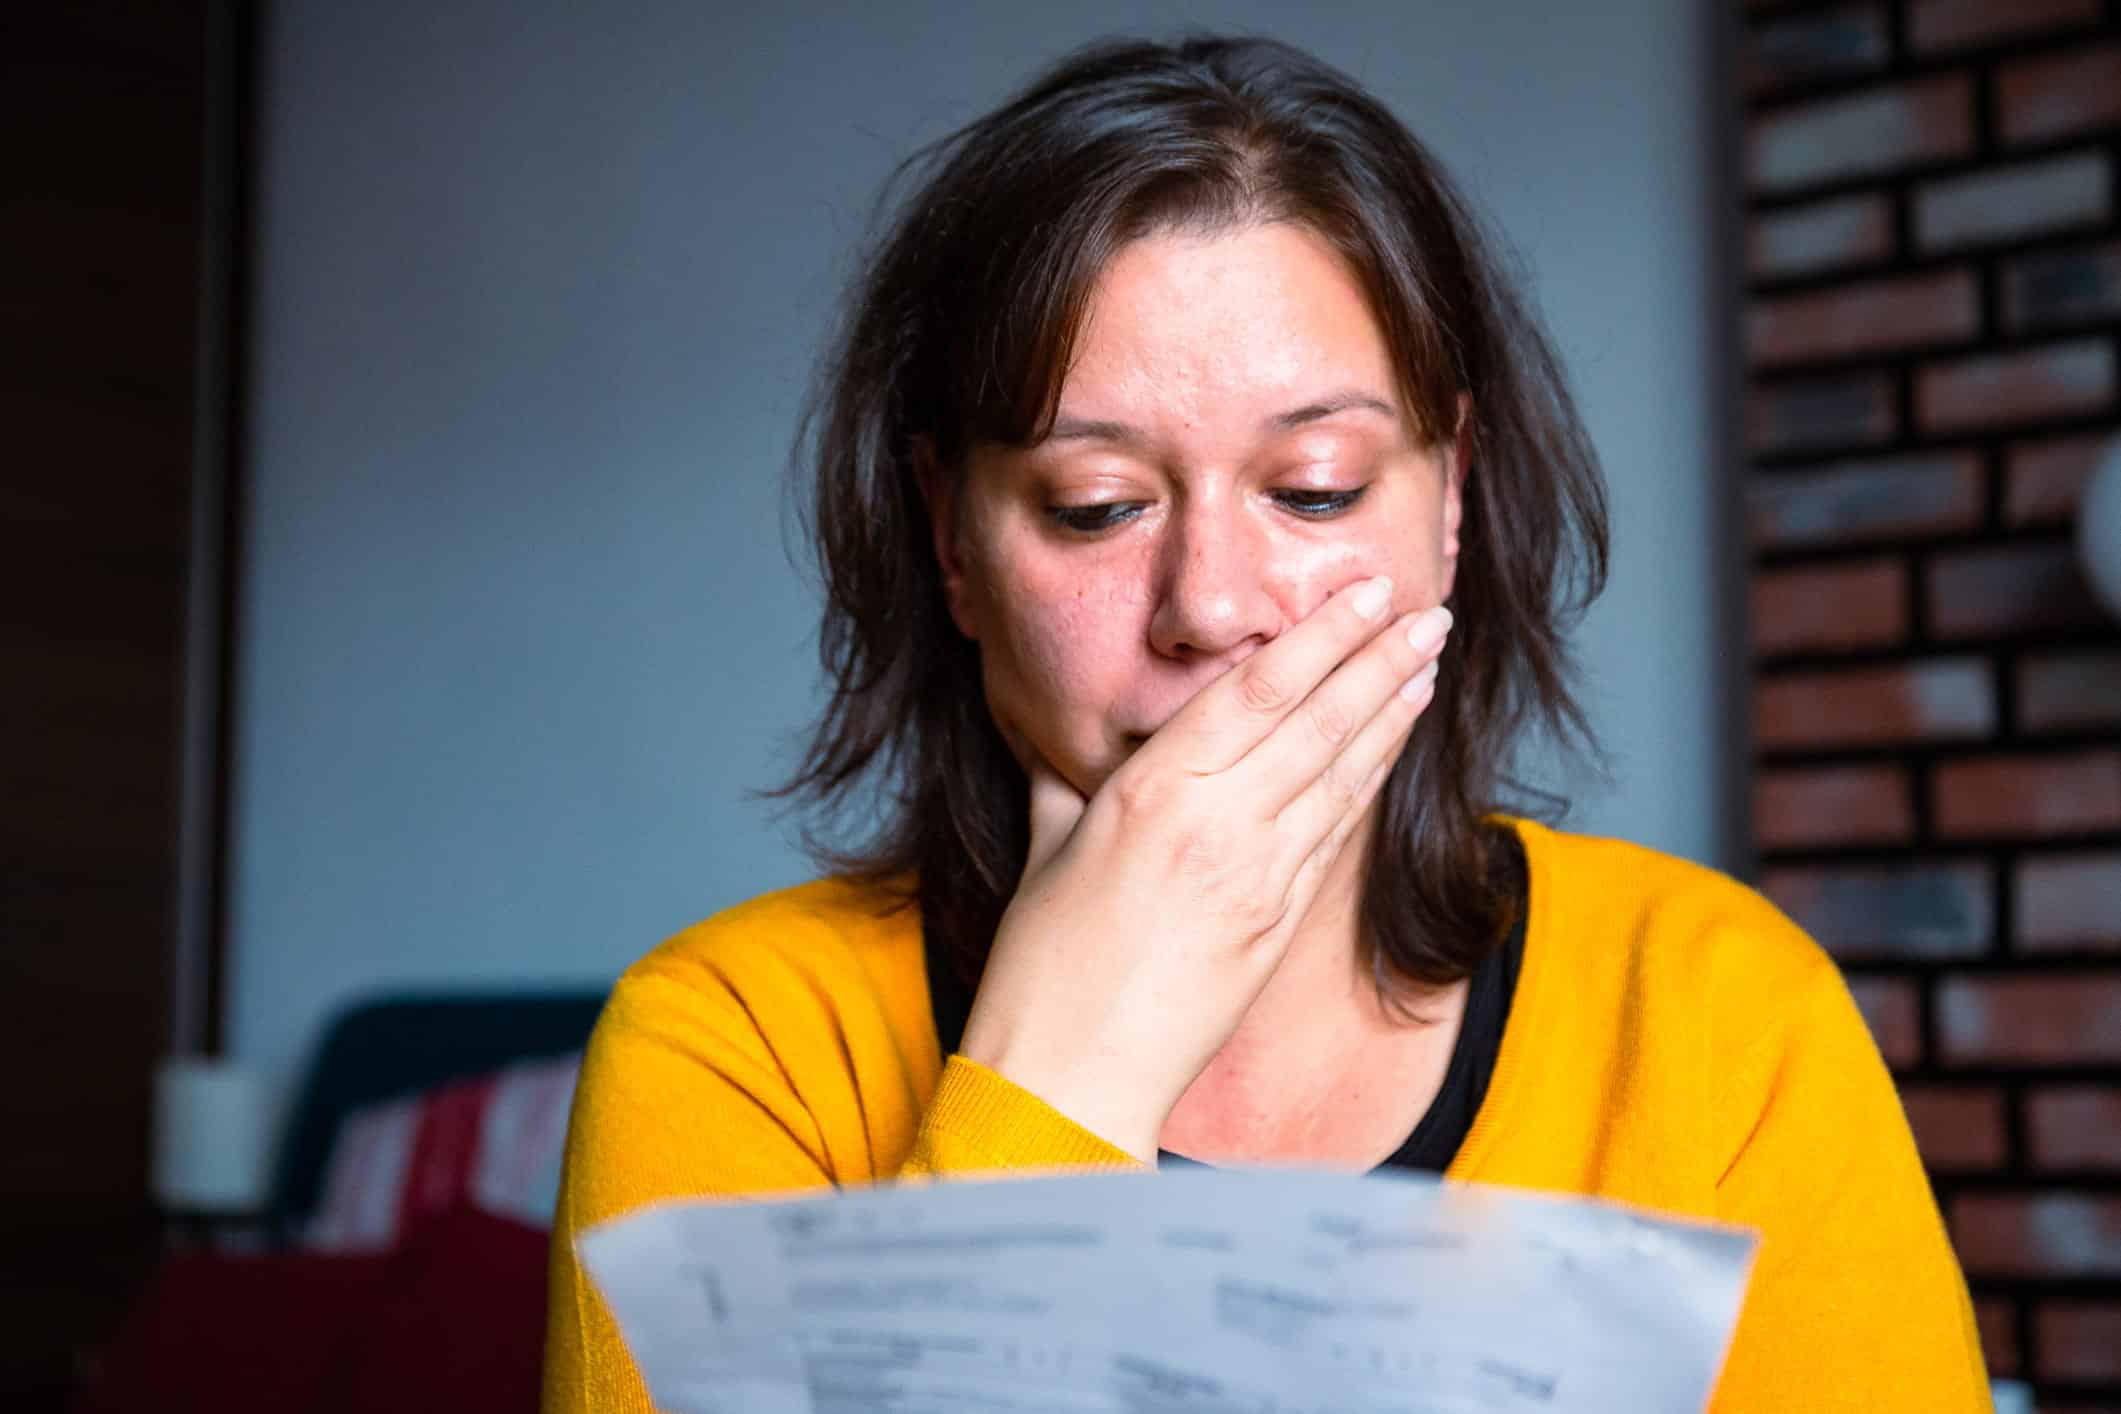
(1427, 633)
(1414, 687)
(1370, 597)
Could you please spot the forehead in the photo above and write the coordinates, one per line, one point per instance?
(1192, 335)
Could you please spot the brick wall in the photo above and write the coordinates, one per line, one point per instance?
(1933, 325)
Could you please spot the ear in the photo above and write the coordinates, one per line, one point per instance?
(939, 492)
(1455, 463)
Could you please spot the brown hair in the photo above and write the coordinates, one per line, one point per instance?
(958, 333)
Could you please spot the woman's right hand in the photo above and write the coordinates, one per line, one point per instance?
(1150, 917)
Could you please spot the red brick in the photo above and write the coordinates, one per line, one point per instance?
(1998, 1320)
(1935, 25)
(2075, 1127)
(2046, 1234)
(1912, 495)
(1888, 1007)
(1829, 805)
(1941, 699)
(1849, 39)
(1904, 910)
(1834, 606)
(1869, 317)
(2047, 1019)
(1825, 235)
(1859, 500)
(2068, 901)
(2057, 287)
(2010, 589)
(1956, 1128)
(2047, 478)
(2059, 692)
(1996, 204)
(2029, 795)
(1803, 414)
(1875, 131)
(2056, 95)
(2078, 1341)
(2058, 379)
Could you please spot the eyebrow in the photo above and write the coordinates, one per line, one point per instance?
(1078, 429)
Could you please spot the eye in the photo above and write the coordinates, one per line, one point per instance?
(1088, 520)
(1319, 505)
(1108, 515)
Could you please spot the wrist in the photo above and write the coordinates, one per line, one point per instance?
(1107, 1106)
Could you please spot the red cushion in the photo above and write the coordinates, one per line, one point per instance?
(459, 1324)
(494, 1140)
(231, 1334)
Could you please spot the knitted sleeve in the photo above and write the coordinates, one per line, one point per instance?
(728, 1069)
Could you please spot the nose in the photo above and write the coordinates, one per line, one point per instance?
(1213, 595)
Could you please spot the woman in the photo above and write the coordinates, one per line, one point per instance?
(1176, 405)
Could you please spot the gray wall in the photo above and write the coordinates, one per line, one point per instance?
(539, 286)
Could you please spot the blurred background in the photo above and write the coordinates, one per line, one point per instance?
(402, 612)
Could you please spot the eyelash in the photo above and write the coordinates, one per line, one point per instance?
(1090, 520)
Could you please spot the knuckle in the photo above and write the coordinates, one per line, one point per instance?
(1332, 721)
(1271, 912)
(1342, 786)
(1136, 793)
(1259, 690)
(1201, 852)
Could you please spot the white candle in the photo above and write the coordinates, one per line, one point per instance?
(211, 1150)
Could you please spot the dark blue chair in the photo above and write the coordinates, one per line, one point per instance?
(393, 1045)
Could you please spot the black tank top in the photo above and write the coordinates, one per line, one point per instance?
(1437, 1137)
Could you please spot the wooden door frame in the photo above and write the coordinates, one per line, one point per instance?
(199, 927)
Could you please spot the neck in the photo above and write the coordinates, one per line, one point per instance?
(1319, 1023)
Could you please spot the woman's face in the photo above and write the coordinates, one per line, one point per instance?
(1230, 450)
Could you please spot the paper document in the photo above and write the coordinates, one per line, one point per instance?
(1196, 1291)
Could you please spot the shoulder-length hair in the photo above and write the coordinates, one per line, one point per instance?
(958, 333)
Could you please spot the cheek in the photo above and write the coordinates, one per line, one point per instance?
(1068, 633)
(1059, 632)
(1410, 550)
(1308, 572)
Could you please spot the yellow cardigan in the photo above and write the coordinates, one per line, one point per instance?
(1674, 1042)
